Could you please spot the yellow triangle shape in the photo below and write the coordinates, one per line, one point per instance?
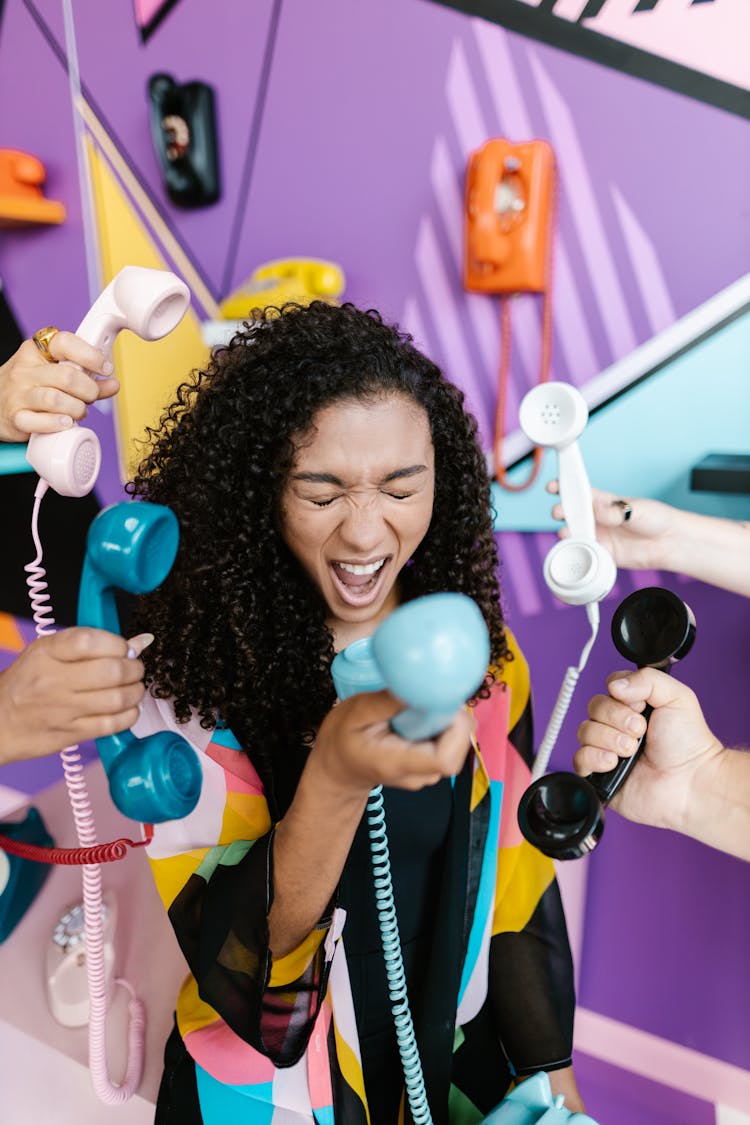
(149, 373)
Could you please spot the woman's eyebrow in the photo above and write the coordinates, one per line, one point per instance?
(330, 478)
(318, 478)
(411, 471)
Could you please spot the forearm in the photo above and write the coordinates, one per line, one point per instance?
(717, 810)
(710, 549)
(310, 848)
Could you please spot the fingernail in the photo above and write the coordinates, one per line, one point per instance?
(143, 640)
(635, 724)
(625, 742)
(620, 684)
(131, 653)
(65, 421)
(107, 367)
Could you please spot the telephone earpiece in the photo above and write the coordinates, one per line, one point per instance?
(132, 546)
(432, 653)
(150, 303)
(562, 814)
(578, 570)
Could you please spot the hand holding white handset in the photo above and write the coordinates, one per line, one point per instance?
(150, 303)
(578, 570)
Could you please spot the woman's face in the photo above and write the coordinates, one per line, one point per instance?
(357, 504)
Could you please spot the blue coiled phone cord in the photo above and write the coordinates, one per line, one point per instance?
(394, 962)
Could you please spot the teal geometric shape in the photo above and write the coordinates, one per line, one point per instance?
(13, 460)
(223, 736)
(222, 1104)
(646, 441)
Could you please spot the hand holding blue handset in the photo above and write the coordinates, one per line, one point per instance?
(433, 654)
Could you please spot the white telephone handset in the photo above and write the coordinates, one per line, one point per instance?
(150, 303)
(578, 570)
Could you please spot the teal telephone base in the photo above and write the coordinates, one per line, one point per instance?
(21, 879)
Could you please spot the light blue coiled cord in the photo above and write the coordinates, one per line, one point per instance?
(394, 961)
(433, 654)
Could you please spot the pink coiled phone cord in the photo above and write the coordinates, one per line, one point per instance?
(83, 816)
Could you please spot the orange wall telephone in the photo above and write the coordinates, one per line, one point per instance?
(509, 196)
(509, 228)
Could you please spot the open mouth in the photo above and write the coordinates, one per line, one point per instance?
(358, 584)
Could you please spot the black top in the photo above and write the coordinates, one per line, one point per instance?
(417, 826)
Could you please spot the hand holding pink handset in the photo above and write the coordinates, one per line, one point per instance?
(150, 303)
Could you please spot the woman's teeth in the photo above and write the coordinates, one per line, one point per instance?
(356, 568)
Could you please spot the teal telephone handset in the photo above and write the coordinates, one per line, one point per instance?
(132, 546)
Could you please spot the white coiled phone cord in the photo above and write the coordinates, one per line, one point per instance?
(83, 815)
(560, 710)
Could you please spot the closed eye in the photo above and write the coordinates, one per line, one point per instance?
(323, 503)
(399, 495)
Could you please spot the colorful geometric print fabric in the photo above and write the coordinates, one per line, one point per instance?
(276, 1040)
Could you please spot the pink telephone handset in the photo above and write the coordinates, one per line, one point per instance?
(150, 303)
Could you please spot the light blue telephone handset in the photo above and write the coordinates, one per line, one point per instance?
(532, 1103)
(433, 654)
(132, 546)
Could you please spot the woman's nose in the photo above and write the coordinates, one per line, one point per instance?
(364, 527)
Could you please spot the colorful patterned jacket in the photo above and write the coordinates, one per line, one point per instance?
(280, 1035)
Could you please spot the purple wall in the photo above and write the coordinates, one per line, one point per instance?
(362, 143)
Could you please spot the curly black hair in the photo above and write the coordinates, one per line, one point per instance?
(240, 629)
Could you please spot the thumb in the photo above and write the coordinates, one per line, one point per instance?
(137, 644)
(648, 686)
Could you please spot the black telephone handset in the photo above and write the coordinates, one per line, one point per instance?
(562, 814)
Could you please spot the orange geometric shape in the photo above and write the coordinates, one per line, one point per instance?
(21, 197)
(10, 635)
(509, 201)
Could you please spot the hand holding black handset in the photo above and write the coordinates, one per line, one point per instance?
(562, 814)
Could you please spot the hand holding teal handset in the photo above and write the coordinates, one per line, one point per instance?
(432, 653)
(132, 546)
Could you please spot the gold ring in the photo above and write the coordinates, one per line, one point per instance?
(42, 339)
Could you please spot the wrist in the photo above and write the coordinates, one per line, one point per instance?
(7, 734)
(703, 797)
(331, 785)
